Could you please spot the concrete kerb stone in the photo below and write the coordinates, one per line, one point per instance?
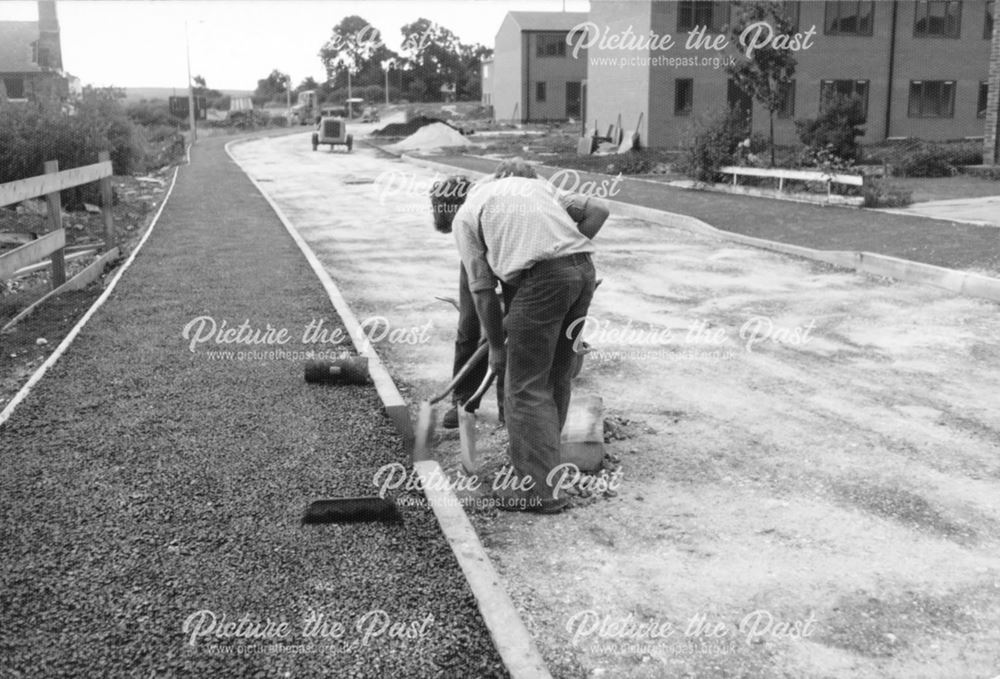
(393, 402)
(961, 282)
(509, 633)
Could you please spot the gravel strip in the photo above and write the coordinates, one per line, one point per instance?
(942, 243)
(144, 482)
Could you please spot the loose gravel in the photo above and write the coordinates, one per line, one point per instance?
(144, 482)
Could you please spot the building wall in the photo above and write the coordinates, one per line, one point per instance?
(991, 136)
(507, 69)
(832, 57)
(615, 86)
(964, 60)
(555, 72)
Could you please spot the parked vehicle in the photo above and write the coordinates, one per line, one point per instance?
(332, 131)
(370, 115)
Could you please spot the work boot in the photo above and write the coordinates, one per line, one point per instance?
(510, 500)
(450, 420)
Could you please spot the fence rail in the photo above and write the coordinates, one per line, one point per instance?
(53, 244)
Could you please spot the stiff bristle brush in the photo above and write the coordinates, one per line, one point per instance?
(352, 510)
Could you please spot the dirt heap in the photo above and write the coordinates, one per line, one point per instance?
(409, 127)
(431, 137)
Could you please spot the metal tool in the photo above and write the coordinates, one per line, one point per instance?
(467, 425)
(424, 431)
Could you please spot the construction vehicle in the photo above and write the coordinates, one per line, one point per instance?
(306, 109)
(332, 131)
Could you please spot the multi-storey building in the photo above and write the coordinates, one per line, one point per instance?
(921, 69)
(533, 75)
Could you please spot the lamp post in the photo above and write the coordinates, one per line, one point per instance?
(191, 122)
(386, 65)
(288, 99)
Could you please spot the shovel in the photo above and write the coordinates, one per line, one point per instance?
(467, 426)
(424, 431)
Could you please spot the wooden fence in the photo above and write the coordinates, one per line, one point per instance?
(828, 178)
(53, 244)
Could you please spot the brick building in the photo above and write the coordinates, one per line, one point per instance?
(922, 69)
(31, 67)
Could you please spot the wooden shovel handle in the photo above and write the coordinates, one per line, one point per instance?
(481, 352)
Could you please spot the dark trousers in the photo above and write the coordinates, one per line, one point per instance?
(550, 296)
(467, 341)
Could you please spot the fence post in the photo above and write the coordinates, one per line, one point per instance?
(106, 199)
(55, 223)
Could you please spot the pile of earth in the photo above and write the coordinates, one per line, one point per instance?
(431, 137)
(409, 127)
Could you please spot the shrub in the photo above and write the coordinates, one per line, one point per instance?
(918, 158)
(714, 144)
(881, 192)
(29, 136)
(836, 129)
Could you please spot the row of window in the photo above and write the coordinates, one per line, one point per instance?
(933, 18)
(928, 98)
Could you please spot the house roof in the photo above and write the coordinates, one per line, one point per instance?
(15, 46)
(548, 21)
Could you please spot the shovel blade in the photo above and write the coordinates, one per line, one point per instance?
(467, 440)
(424, 432)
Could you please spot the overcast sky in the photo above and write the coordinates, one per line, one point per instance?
(133, 43)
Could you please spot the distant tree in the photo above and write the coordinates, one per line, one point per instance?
(433, 54)
(307, 84)
(767, 72)
(271, 88)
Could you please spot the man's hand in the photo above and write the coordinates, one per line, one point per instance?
(498, 359)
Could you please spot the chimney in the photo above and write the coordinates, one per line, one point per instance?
(49, 45)
(48, 21)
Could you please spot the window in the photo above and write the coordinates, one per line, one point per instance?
(539, 91)
(988, 24)
(849, 18)
(14, 87)
(550, 45)
(844, 88)
(692, 14)
(683, 96)
(786, 109)
(932, 99)
(937, 19)
(984, 93)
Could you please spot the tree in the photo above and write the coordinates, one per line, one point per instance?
(767, 72)
(270, 88)
(307, 84)
(433, 54)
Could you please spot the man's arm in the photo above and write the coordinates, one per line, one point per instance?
(482, 283)
(491, 316)
(588, 213)
(592, 217)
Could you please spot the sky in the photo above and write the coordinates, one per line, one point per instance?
(234, 43)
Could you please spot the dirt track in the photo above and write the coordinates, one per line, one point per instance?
(843, 469)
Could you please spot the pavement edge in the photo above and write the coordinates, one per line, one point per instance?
(961, 282)
(509, 633)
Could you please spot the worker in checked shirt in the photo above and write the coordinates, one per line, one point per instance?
(536, 240)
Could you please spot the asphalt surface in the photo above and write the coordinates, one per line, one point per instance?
(938, 242)
(147, 488)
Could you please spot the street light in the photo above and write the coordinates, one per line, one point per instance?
(386, 65)
(187, 46)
